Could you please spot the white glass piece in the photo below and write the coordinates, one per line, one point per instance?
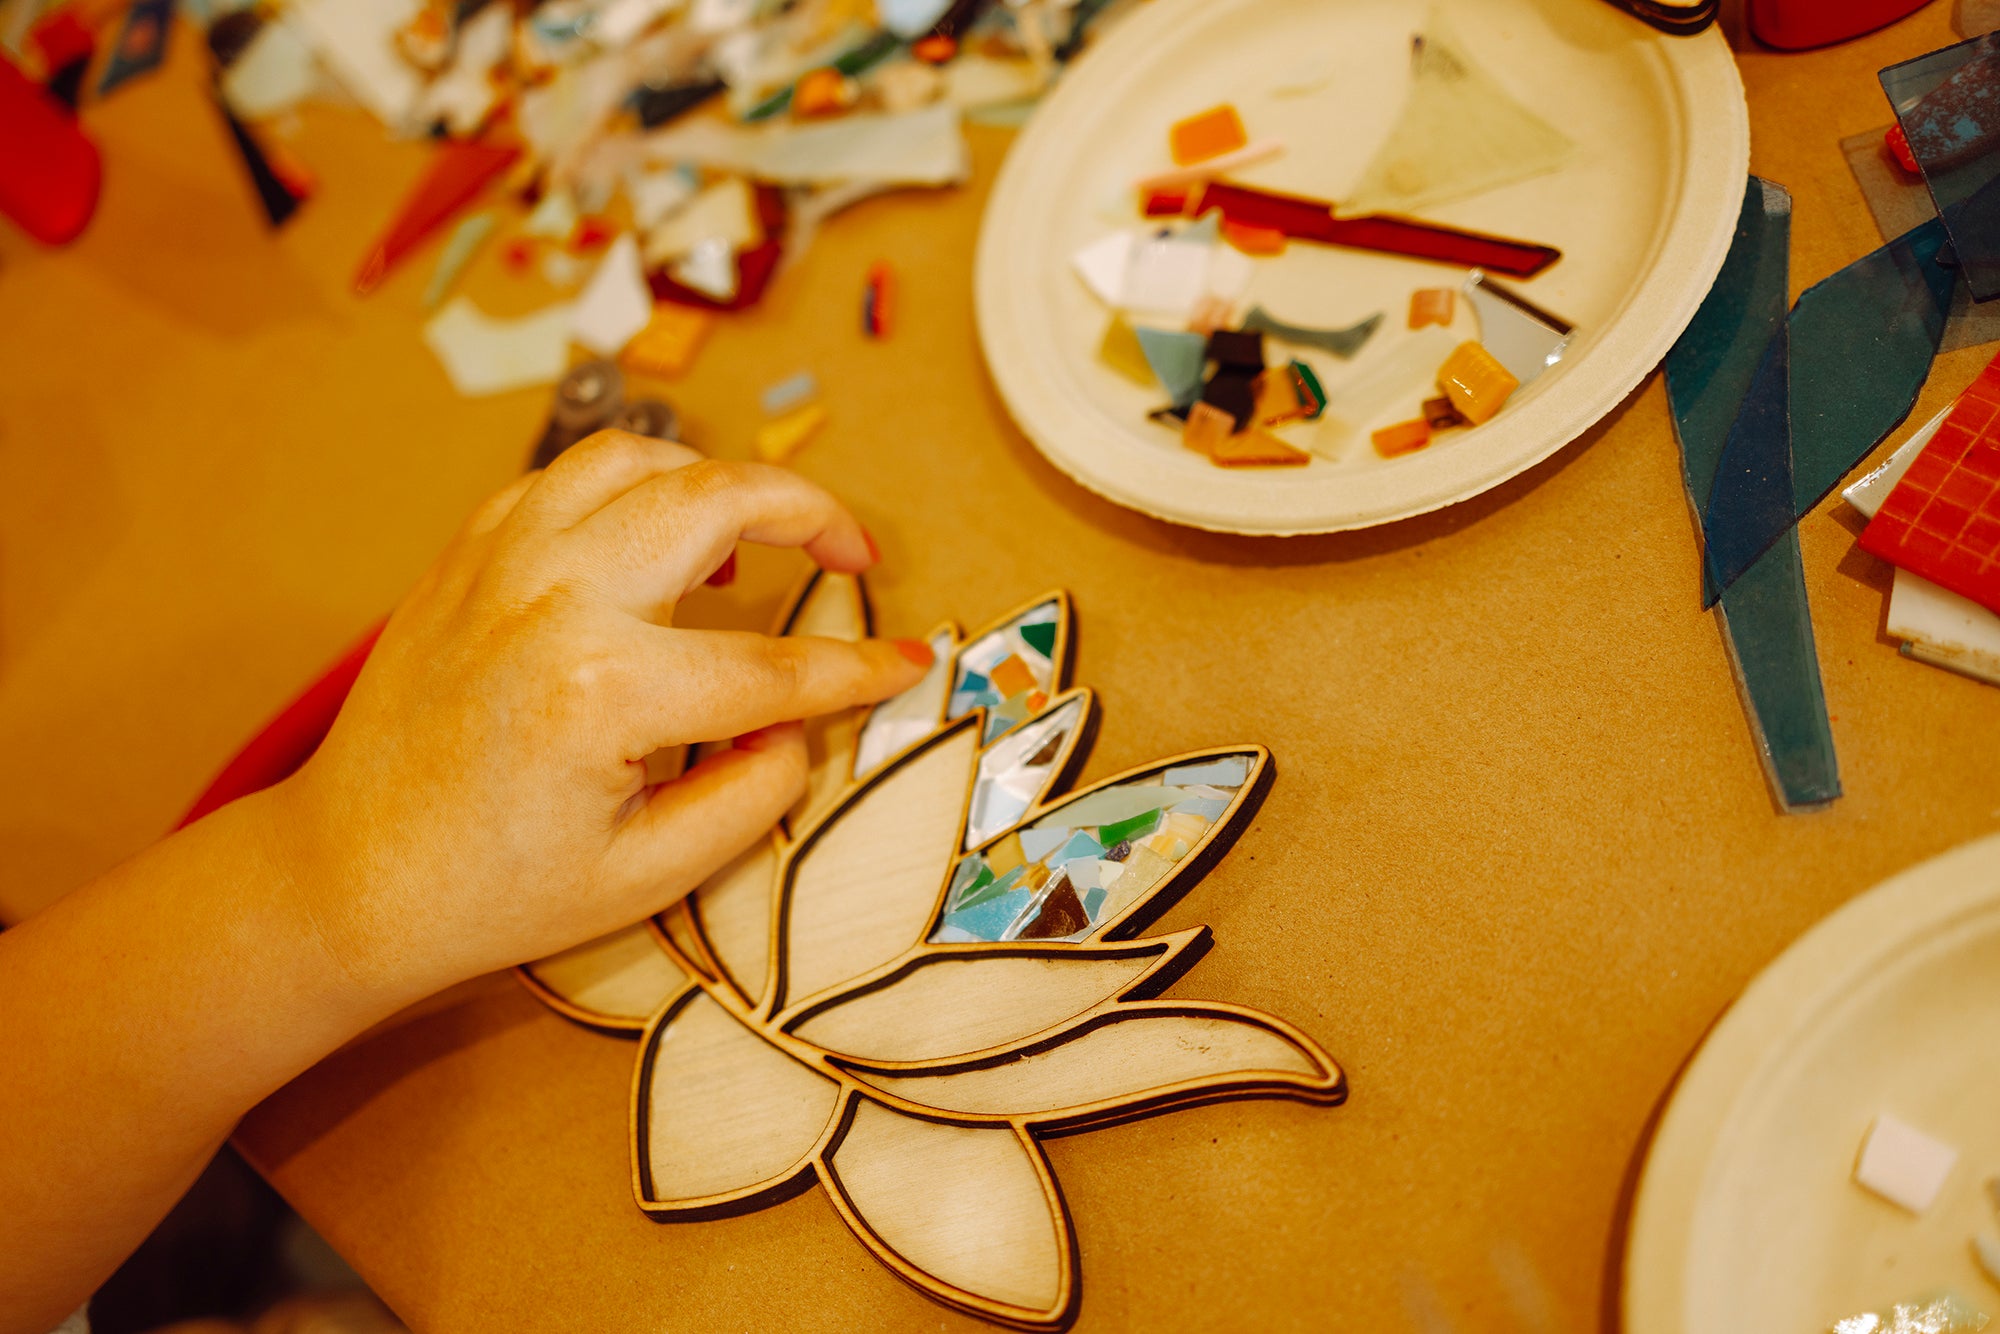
(1102, 265)
(356, 39)
(483, 355)
(1009, 781)
(724, 212)
(1166, 275)
(1525, 341)
(1945, 625)
(1902, 1164)
(905, 719)
(617, 303)
(553, 216)
(709, 268)
(1868, 494)
(925, 147)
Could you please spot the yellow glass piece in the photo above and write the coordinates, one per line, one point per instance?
(666, 347)
(1475, 382)
(1120, 350)
(1005, 855)
(778, 440)
(1257, 449)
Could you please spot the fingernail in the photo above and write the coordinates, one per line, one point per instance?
(916, 650)
(725, 573)
(874, 552)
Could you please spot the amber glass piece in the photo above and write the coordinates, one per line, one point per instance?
(1278, 397)
(667, 345)
(1120, 350)
(1062, 915)
(1206, 427)
(1475, 382)
(1254, 240)
(1011, 676)
(1432, 305)
(1258, 449)
(1402, 438)
(1208, 134)
(1441, 414)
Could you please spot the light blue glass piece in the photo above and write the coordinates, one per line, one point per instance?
(1208, 808)
(910, 19)
(946, 934)
(1093, 903)
(1206, 229)
(963, 875)
(990, 919)
(1082, 845)
(1177, 358)
(1230, 771)
(1039, 842)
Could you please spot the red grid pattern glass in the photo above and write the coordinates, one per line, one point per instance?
(1942, 520)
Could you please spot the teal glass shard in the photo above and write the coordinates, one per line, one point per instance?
(1948, 103)
(1177, 359)
(1711, 372)
(1342, 343)
(989, 920)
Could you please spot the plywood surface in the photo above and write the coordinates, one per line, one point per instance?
(1518, 856)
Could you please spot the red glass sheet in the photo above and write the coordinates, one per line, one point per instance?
(1305, 219)
(1942, 520)
(456, 174)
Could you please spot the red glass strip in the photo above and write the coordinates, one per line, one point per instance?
(1305, 219)
(456, 174)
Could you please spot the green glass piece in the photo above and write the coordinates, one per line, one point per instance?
(1122, 831)
(1767, 625)
(869, 54)
(1313, 386)
(987, 887)
(1041, 637)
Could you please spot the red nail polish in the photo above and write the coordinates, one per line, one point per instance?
(916, 650)
(874, 552)
(725, 573)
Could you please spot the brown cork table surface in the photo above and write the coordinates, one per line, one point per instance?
(1518, 858)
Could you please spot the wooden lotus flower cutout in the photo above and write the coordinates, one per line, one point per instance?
(935, 963)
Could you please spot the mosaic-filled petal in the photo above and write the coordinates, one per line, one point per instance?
(903, 720)
(1018, 768)
(1008, 673)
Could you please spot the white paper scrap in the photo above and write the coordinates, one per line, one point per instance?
(1868, 494)
(1939, 620)
(483, 355)
(357, 40)
(1902, 1164)
(922, 147)
(617, 303)
(1103, 264)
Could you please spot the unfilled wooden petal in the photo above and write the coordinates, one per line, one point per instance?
(722, 1114)
(1140, 1056)
(733, 909)
(953, 1004)
(616, 981)
(864, 886)
(965, 1208)
(905, 719)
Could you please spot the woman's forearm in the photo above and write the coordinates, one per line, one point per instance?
(144, 1013)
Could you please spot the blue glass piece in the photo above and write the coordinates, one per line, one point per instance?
(1093, 903)
(1177, 358)
(1766, 622)
(1082, 845)
(1343, 343)
(1229, 771)
(1038, 843)
(1948, 103)
(1208, 808)
(990, 919)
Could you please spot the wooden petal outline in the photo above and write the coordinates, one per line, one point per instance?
(1061, 659)
(611, 1025)
(1075, 750)
(1330, 1087)
(1174, 954)
(1069, 1292)
(748, 1199)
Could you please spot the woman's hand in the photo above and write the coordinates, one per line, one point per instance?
(482, 799)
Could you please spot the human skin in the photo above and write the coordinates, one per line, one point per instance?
(480, 801)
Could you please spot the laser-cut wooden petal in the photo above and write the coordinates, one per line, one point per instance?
(1018, 770)
(970, 1215)
(903, 720)
(953, 1004)
(1014, 667)
(865, 884)
(616, 982)
(720, 1115)
(733, 910)
(831, 606)
(1132, 1058)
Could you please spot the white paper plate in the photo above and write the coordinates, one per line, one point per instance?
(1643, 215)
(1747, 1221)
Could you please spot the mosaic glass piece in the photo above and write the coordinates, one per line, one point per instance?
(457, 171)
(1254, 240)
(1207, 134)
(1432, 305)
(1233, 389)
(1526, 339)
(1402, 438)
(1237, 348)
(1166, 272)
(1440, 415)
(1102, 264)
(1177, 359)
(1258, 448)
(1311, 392)
(1121, 351)
(1342, 343)
(1942, 520)
(974, 685)
(902, 720)
(1081, 865)
(1934, 1315)
(1460, 133)
(1388, 235)
(1766, 621)
(1948, 105)
(1015, 770)
(1475, 382)
(1206, 427)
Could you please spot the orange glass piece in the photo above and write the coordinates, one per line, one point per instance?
(935, 49)
(1441, 414)
(1402, 438)
(1011, 677)
(1208, 134)
(822, 92)
(1254, 240)
(591, 232)
(666, 347)
(1256, 448)
(1278, 397)
(1206, 428)
(1432, 305)
(457, 172)
(1475, 382)
(1210, 313)
(1037, 700)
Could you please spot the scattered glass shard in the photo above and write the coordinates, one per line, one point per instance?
(1460, 133)
(783, 437)
(1766, 621)
(710, 269)
(1254, 240)
(1948, 105)
(1120, 349)
(1432, 305)
(1899, 203)
(281, 184)
(1868, 494)
(1102, 266)
(659, 192)
(1205, 135)
(725, 212)
(1258, 448)
(275, 72)
(356, 41)
(616, 304)
(483, 355)
(1929, 1315)
(1942, 520)
(909, 717)
(1166, 274)
(1475, 382)
(1242, 349)
(878, 300)
(1077, 868)
(457, 171)
(141, 45)
(1305, 382)
(1206, 427)
(1180, 177)
(1440, 415)
(1939, 624)
(925, 147)
(1017, 769)
(1306, 219)
(1860, 345)
(1343, 343)
(1401, 376)
(1030, 638)
(666, 347)
(466, 238)
(1177, 359)
(1402, 438)
(1233, 389)
(1526, 339)
(788, 393)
